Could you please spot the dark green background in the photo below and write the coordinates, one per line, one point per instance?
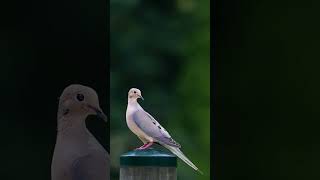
(162, 48)
(266, 101)
(44, 47)
(266, 106)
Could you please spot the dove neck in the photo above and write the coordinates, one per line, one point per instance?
(74, 124)
(133, 103)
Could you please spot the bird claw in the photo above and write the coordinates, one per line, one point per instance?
(140, 148)
(145, 146)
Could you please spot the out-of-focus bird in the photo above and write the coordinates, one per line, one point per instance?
(77, 154)
(148, 130)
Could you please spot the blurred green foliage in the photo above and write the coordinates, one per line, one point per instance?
(162, 48)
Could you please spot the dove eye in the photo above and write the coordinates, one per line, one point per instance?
(134, 92)
(80, 97)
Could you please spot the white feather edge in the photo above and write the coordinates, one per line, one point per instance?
(180, 154)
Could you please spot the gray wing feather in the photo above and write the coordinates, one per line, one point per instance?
(90, 167)
(152, 128)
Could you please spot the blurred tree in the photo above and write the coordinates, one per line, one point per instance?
(162, 48)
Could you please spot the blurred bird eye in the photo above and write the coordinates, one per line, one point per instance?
(80, 97)
(134, 91)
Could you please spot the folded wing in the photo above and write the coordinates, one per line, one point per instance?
(152, 128)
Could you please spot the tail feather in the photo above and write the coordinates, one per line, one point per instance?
(180, 154)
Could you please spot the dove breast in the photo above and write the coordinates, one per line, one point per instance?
(137, 131)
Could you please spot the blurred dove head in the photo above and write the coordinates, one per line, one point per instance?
(80, 100)
(134, 94)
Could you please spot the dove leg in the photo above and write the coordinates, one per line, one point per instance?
(145, 146)
(142, 146)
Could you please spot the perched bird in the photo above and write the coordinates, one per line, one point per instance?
(148, 130)
(77, 154)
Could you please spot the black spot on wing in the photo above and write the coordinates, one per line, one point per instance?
(168, 141)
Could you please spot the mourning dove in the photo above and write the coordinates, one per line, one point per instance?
(148, 130)
(77, 154)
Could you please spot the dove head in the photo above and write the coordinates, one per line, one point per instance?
(134, 94)
(79, 100)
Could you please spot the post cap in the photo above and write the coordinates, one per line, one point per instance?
(148, 157)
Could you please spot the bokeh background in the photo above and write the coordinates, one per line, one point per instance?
(44, 47)
(162, 48)
(267, 113)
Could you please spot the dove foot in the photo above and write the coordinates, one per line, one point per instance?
(145, 146)
(141, 147)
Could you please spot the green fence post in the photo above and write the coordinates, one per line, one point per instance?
(148, 164)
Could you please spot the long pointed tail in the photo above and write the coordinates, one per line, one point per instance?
(180, 154)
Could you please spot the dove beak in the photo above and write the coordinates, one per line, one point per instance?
(141, 97)
(99, 113)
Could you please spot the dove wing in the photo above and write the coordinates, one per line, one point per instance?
(152, 128)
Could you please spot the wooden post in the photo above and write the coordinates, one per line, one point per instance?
(148, 164)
